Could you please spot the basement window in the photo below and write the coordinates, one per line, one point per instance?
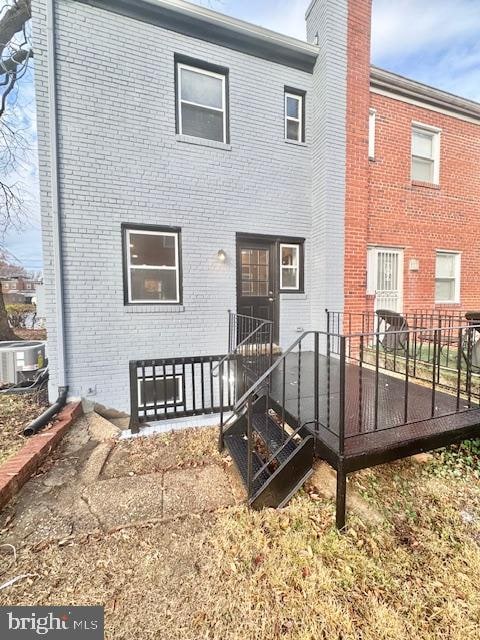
(166, 391)
(152, 265)
(447, 277)
(201, 100)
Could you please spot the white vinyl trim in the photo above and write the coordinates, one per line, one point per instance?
(372, 123)
(168, 403)
(131, 267)
(299, 120)
(456, 278)
(435, 132)
(295, 266)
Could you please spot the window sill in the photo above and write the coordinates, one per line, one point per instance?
(426, 185)
(154, 308)
(296, 143)
(447, 304)
(213, 144)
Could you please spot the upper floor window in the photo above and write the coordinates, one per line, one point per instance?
(372, 117)
(294, 115)
(202, 101)
(152, 265)
(447, 277)
(425, 154)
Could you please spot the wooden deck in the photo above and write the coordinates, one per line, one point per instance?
(408, 415)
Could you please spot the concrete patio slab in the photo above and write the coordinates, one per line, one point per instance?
(123, 501)
(196, 490)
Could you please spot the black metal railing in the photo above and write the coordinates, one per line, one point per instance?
(169, 388)
(341, 386)
(385, 324)
(250, 345)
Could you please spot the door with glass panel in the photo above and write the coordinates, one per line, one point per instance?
(256, 287)
(385, 275)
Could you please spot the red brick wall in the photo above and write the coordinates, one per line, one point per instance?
(423, 219)
(357, 169)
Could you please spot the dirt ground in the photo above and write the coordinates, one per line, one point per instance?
(156, 531)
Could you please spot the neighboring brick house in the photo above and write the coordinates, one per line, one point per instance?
(192, 163)
(419, 246)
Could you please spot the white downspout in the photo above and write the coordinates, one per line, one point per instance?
(55, 196)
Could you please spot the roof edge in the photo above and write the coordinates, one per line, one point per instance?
(406, 87)
(204, 24)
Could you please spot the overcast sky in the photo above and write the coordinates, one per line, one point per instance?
(434, 41)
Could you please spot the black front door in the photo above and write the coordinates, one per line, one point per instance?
(256, 282)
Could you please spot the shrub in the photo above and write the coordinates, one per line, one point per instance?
(18, 314)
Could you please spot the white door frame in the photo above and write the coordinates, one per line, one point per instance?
(372, 273)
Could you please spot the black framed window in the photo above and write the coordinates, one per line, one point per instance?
(294, 115)
(152, 265)
(201, 99)
(291, 264)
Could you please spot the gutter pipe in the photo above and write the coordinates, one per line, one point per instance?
(55, 210)
(44, 418)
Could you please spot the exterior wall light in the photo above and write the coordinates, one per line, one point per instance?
(221, 255)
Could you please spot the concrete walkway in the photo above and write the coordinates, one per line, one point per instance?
(70, 496)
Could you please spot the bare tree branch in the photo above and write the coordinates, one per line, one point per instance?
(14, 18)
(10, 65)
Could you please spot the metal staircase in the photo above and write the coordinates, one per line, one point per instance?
(272, 452)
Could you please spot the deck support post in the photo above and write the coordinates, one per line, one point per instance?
(341, 501)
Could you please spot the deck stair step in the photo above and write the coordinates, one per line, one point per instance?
(273, 436)
(237, 446)
(291, 464)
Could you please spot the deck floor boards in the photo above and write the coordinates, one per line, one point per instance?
(364, 430)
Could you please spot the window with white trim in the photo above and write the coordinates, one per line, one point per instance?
(425, 154)
(447, 277)
(165, 390)
(294, 116)
(152, 265)
(289, 267)
(201, 103)
(372, 116)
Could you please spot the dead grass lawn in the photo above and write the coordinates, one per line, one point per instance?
(242, 575)
(175, 450)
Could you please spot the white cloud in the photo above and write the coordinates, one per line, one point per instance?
(435, 41)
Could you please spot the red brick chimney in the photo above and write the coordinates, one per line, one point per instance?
(357, 168)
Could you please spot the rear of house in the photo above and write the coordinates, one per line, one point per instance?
(197, 165)
(193, 164)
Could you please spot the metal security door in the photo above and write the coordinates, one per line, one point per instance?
(386, 266)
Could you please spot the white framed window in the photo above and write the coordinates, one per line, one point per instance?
(289, 267)
(425, 153)
(372, 118)
(294, 116)
(152, 266)
(201, 103)
(165, 390)
(447, 277)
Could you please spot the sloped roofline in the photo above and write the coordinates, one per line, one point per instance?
(387, 81)
(205, 24)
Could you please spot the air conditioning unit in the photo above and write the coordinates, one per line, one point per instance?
(21, 361)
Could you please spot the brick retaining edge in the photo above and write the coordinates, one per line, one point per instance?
(18, 469)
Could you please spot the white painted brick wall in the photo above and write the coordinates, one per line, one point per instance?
(120, 161)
